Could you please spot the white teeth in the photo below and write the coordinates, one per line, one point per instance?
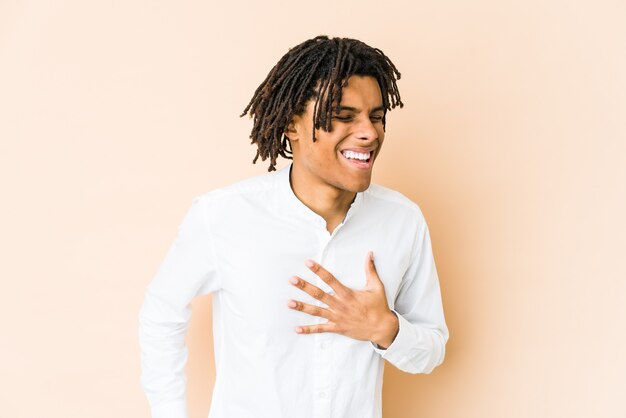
(356, 155)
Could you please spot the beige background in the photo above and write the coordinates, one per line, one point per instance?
(113, 115)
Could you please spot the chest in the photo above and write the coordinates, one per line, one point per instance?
(256, 259)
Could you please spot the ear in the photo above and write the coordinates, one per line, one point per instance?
(291, 131)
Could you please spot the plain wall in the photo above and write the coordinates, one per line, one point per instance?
(113, 115)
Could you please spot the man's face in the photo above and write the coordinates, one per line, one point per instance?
(342, 158)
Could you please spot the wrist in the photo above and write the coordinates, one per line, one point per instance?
(388, 331)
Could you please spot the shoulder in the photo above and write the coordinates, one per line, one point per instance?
(258, 185)
(393, 202)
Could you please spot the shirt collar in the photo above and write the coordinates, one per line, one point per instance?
(294, 206)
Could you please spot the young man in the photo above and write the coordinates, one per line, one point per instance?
(317, 275)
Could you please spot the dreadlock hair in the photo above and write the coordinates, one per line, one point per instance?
(318, 68)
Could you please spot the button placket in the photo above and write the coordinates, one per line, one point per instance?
(324, 241)
(323, 375)
(323, 360)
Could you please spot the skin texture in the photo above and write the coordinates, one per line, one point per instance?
(359, 314)
(321, 177)
(327, 183)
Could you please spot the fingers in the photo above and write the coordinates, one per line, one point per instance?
(312, 290)
(371, 274)
(311, 329)
(318, 294)
(369, 262)
(327, 277)
(310, 309)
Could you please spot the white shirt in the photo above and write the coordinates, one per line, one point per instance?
(242, 243)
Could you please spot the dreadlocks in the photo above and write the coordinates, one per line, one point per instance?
(318, 68)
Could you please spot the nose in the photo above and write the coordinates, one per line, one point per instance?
(366, 130)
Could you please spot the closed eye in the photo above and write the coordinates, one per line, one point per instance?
(373, 118)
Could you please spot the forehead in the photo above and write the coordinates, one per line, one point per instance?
(362, 91)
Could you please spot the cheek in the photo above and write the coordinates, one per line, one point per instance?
(326, 145)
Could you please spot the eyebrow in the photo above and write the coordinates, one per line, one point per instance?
(354, 109)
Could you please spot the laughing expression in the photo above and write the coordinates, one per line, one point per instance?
(342, 158)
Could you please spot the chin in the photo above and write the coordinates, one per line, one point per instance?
(363, 187)
(359, 187)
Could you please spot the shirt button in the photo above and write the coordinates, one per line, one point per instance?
(322, 395)
(324, 345)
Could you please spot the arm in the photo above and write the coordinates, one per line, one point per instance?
(188, 270)
(419, 345)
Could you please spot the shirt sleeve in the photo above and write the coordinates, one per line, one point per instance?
(419, 346)
(188, 270)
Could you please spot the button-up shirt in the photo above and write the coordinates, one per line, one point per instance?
(241, 243)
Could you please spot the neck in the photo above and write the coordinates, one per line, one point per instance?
(329, 202)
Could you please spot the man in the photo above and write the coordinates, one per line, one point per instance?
(317, 276)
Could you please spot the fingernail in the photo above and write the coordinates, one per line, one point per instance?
(293, 280)
(292, 304)
(372, 255)
(309, 263)
(298, 330)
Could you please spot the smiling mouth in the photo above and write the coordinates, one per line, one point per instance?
(358, 159)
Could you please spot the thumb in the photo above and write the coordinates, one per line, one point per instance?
(370, 271)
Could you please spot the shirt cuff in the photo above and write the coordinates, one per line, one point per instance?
(170, 409)
(396, 352)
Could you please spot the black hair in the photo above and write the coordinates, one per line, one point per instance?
(316, 68)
